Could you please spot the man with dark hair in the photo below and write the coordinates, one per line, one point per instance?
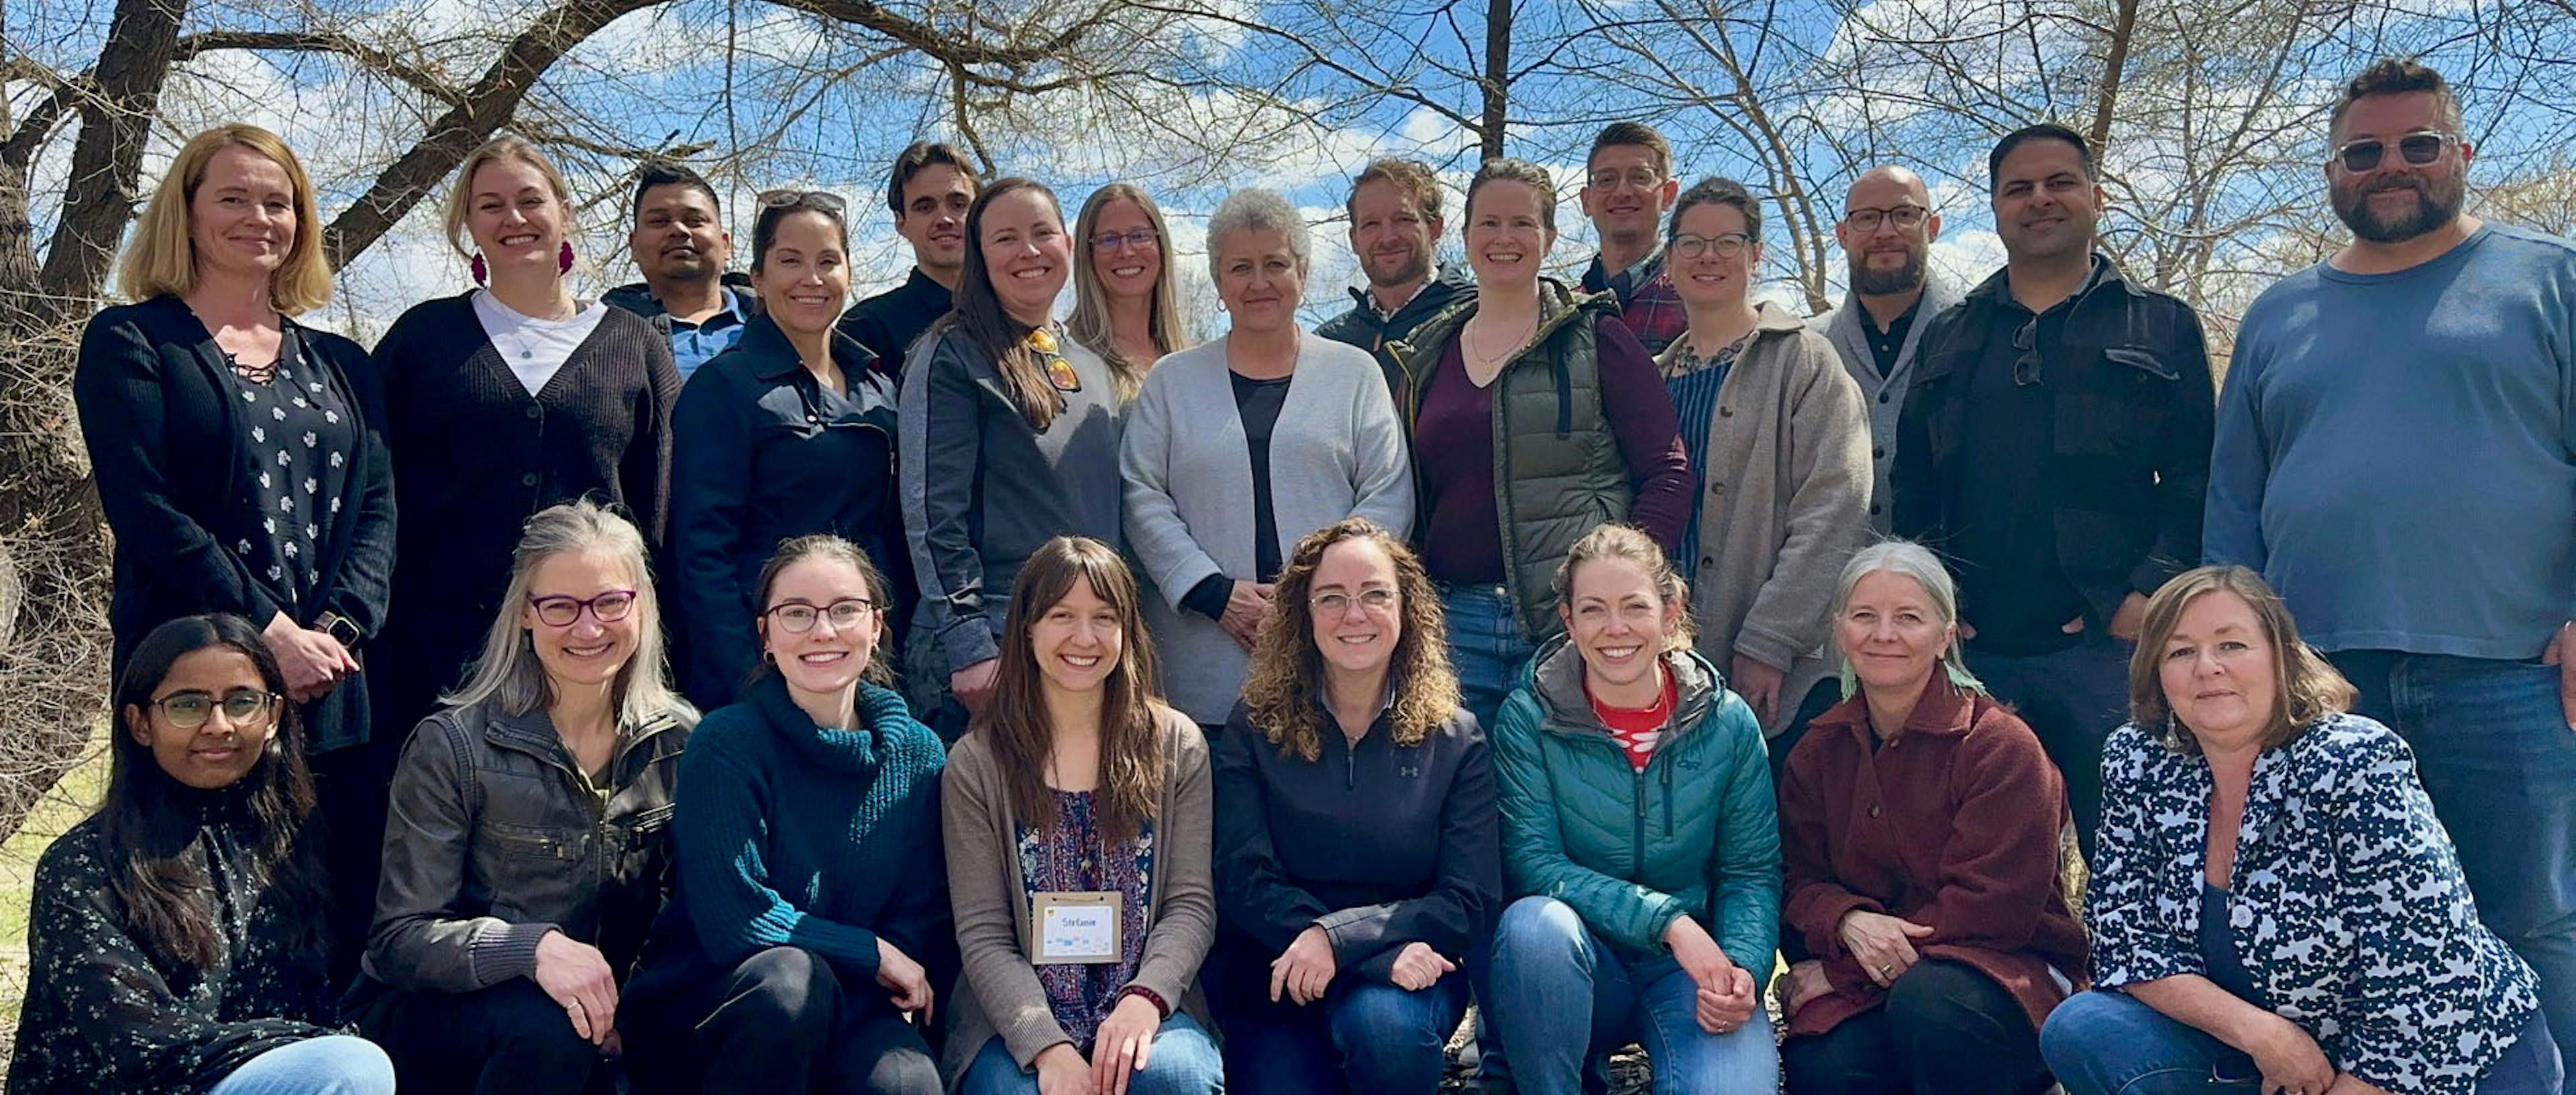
(932, 186)
(1394, 207)
(1886, 232)
(2055, 446)
(2396, 452)
(1628, 184)
(677, 237)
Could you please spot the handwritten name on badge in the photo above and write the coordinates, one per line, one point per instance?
(1077, 927)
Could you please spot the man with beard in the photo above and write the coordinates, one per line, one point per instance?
(1628, 183)
(1395, 226)
(932, 186)
(678, 240)
(2055, 446)
(1887, 231)
(2396, 452)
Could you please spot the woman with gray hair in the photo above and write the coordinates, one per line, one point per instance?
(1920, 824)
(527, 850)
(1237, 448)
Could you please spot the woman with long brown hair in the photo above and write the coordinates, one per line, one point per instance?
(1008, 435)
(1076, 818)
(1358, 851)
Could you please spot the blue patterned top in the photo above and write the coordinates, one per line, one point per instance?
(1074, 855)
(1694, 383)
(2350, 913)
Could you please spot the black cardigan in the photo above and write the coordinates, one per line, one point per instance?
(478, 455)
(167, 450)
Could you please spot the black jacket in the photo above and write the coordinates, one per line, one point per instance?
(2132, 407)
(759, 455)
(1379, 844)
(890, 322)
(168, 451)
(638, 298)
(478, 455)
(1365, 327)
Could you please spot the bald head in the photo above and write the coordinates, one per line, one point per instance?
(1887, 231)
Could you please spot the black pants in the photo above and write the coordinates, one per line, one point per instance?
(1945, 1030)
(781, 1023)
(510, 1039)
(350, 785)
(2072, 699)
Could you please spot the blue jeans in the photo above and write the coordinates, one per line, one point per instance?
(1362, 1038)
(2493, 749)
(333, 1064)
(2110, 1043)
(1550, 971)
(1486, 647)
(1184, 1062)
(2072, 699)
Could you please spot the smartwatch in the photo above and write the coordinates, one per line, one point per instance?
(339, 628)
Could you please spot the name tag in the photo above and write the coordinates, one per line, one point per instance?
(1079, 927)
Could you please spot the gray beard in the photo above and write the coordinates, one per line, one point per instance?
(1903, 279)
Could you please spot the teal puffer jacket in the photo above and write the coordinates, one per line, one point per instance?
(1694, 834)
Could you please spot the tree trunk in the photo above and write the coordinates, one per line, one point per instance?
(1497, 84)
(2122, 30)
(100, 197)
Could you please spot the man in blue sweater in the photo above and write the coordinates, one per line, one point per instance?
(2396, 451)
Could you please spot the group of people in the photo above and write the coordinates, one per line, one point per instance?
(1664, 639)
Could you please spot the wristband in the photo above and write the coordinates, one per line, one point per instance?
(1161, 1006)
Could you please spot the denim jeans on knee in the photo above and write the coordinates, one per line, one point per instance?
(2111, 1043)
(1562, 995)
(1393, 1041)
(1184, 1062)
(334, 1064)
(1485, 646)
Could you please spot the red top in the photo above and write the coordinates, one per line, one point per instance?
(1637, 729)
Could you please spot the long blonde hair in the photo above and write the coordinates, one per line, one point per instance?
(161, 259)
(1090, 322)
(508, 673)
(460, 197)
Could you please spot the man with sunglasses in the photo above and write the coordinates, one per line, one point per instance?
(2055, 447)
(1887, 231)
(2396, 452)
(1628, 184)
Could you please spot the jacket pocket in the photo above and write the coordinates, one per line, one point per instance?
(2118, 409)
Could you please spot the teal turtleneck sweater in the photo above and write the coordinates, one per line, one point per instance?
(791, 835)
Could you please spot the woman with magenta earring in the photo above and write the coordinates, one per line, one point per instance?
(502, 401)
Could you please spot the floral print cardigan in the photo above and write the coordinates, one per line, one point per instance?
(2348, 905)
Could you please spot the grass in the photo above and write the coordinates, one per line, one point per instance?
(61, 808)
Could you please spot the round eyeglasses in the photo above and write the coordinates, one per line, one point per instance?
(797, 617)
(244, 708)
(607, 608)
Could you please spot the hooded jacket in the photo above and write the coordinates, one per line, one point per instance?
(1373, 330)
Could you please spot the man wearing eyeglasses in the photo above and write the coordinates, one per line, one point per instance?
(2396, 452)
(931, 188)
(1628, 184)
(2055, 447)
(1886, 232)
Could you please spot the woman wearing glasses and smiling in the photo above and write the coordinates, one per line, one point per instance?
(527, 849)
(807, 947)
(176, 941)
(788, 433)
(1779, 461)
(1123, 307)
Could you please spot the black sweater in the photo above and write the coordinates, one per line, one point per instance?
(1382, 845)
(477, 455)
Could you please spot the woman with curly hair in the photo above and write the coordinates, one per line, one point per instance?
(1357, 853)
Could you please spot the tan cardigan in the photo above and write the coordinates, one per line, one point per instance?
(999, 991)
(1784, 504)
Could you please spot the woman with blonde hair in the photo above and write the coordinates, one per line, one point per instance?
(1358, 864)
(241, 460)
(502, 401)
(528, 847)
(1079, 801)
(2273, 900)
(1123, 282)
(1639, 827)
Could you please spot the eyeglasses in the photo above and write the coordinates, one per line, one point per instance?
(823, 200)
(607, 608)
(1727, 245)
(1137, 240)
(1905, 217)
(797, 617)
(1335, 602)
(244, 708)
(2418, 149)
(1643, 178)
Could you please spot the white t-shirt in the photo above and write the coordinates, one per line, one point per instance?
(536, 349)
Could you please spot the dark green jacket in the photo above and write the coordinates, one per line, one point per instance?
(1557, 467)
(1695, 834)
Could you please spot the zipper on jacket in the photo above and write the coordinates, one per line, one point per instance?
(1640, 840)
(1668, 801)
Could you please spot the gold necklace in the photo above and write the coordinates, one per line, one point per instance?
(1467, 341)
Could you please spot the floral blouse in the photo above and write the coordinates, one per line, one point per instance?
(102, 1015)
(299, 437)
(1075, 855)
(2349, 908)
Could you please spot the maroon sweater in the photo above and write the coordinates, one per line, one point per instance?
(1453, 443)
(1954, 825)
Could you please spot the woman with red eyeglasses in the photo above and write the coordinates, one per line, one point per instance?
(527, 850)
